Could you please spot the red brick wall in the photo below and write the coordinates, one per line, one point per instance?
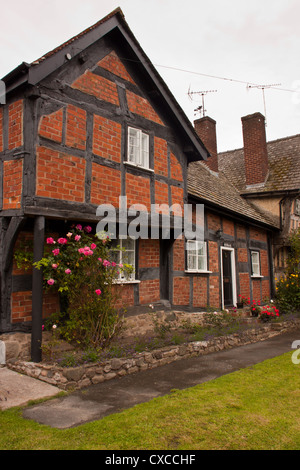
(162, 195)
(160, 156)
(149, 291)
(200, 291)
(112, 63)
(50, 126)
(265, 285)
(264, 264)
(181, 290)
(12, 183)
(15, 124)
(213, 261)
(139, 105)
(176, 168)
(255, 148)
(21, 306)
(59, 175)
(256, 234)
(179, 255)
(242, 255)
(244, 285)
(107, 138)
(228, 227)
(125, 295)
(148, 253)
(76, 127)
(213, 221)
(214, 292)
(99, 87)
(106, 185)
(256, 289)
(206, 130)
(241, 231)
(138, 190)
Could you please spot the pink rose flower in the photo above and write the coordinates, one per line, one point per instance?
(77, 237)
(68, 271)
(88, 229)
(62, 241)
(93, 246)
(50, 282)
(55, 252)
(54, 266)
(50, 241)
(79, 227)
(98, 291)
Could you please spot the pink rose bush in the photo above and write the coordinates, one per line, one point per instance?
(82, 271)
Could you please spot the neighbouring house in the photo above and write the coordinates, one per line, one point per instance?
(267, 175)
(238, 235)
(90, 121)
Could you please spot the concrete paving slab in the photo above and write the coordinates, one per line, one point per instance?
(113, 396)
(17, 389)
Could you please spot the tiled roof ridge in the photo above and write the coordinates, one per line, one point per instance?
(77, 36)
(269, 142)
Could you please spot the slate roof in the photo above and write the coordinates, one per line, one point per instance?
(284, 166)
(216, 189)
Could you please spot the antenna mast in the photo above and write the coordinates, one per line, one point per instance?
(263, 87)
(202, 93)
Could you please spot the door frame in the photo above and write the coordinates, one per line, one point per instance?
(233, 275)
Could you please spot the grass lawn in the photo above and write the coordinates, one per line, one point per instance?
(254, 408)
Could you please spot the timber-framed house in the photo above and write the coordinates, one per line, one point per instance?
(89, 122)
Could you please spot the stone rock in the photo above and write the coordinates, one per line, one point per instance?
(74, 374)
(12, 349)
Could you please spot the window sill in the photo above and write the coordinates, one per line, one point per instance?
(124, 281)
(256, 276)
(189, 271)
(143, 168)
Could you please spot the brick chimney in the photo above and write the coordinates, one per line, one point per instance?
(255, 148)
(206, 130)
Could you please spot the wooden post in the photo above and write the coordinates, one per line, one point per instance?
(37, 290)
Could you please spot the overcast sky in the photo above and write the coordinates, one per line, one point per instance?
(218, 47)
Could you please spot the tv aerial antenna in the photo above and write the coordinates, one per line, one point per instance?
(200, 109)
(263, 88)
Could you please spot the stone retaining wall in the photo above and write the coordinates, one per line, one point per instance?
(85, 375)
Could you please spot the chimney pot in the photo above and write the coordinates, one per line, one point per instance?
(255, 148)
(205, 127)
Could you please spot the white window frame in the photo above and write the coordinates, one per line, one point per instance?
(138, 155)
(255, 265)
(197, 244)
(121, 257)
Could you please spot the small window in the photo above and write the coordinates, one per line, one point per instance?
(138, 147)
(255, 263)
(196, 256)
(123, 252)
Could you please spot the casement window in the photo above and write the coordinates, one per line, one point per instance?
(255, 263)
(123, 252)
(196, 256)
(138, 148)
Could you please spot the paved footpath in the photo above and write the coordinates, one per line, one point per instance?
(97, 401)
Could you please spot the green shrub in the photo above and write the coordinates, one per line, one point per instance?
(288, 287)
(78, 266)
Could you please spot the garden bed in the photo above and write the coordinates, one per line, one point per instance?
(127, 354)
